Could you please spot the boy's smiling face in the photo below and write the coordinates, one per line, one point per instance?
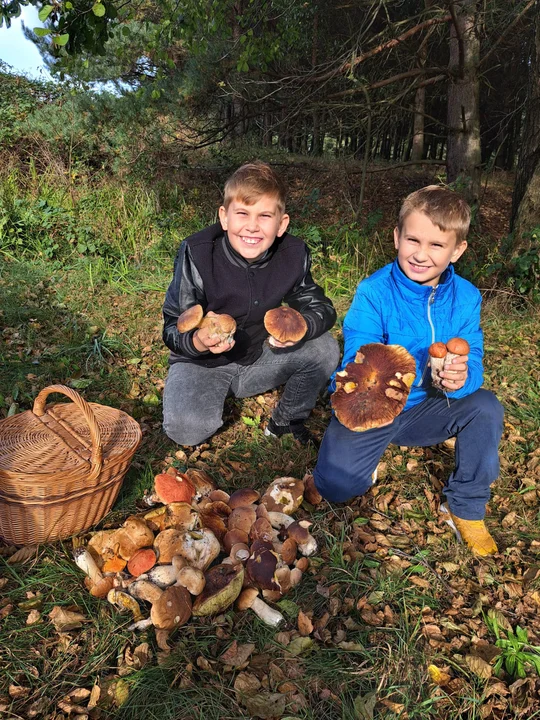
(252, 229)
(424, 251)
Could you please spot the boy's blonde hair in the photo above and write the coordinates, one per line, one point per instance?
(253, 180)
(444, 207)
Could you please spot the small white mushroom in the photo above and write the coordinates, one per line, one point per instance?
(249, 598)
(87, 564)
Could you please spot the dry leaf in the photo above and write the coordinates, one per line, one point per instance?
(396, 708)
(95, 694)
(438, 676)
(3, 583)
(79, 694)
(28, 552)
(34, 617)
(247, 683)
(118, 692)
(17, 691)
(479, 667)
(5, 611)
(236, 654)
(66, 620)
(509, 520)
(300, 645)
(266, 705)
(305, 626)
(420, 582)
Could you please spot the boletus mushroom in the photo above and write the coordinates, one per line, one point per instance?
(284, 495)
(249, 598)
(284, 324)
(441, 355)
(223, 586)
(190, 319)
(372, 390)
(222, 327)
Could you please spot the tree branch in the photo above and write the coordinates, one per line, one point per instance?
(346, 67)
(387, 81)
(503, 35)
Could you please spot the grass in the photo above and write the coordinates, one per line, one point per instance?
(389, 592)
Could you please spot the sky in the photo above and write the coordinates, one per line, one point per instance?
(19, 52)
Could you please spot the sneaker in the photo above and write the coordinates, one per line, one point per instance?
(473, 533)
(296, 427)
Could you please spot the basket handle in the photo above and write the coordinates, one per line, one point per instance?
(96, 459)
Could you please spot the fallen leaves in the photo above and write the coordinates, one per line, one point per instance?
(65, 620)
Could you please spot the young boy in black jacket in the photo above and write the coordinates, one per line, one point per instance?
(244, 266)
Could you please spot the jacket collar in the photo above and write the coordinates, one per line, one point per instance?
(236, 259)
(421, 292)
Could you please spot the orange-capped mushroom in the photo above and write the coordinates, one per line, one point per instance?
(458, 346)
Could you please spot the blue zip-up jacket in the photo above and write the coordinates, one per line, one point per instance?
(391, 309)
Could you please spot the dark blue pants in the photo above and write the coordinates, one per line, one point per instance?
(347, 459)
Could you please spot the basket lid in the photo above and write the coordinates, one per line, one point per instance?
(71, 438)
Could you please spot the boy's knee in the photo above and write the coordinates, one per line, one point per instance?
(186, 431)
(327, 354)
(489, 407)
(341, 486)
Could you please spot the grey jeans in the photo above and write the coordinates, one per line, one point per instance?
(194, 396)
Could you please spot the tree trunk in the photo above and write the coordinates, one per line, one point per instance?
(463, 160)
(526, 199)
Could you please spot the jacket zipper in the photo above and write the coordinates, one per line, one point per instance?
(431, 300)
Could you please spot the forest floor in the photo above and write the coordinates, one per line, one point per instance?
(405, 622)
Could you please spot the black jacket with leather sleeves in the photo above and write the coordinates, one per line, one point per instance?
(209, 272)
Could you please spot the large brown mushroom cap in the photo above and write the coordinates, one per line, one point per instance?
(190, 318)
(372, 390)
(285, 324)
(172, 609)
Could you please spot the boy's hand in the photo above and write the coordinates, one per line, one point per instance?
(455, 373)
(275, 343)
(205, 342)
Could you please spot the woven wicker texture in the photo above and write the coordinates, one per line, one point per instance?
(61, 467)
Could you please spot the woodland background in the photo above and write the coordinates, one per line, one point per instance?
(102, 173)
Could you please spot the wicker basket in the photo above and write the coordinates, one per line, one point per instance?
(61, 467)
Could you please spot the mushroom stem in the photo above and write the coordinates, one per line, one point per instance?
(266, 613)
(85, 561)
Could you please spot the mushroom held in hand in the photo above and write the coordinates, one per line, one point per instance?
(220, 326)
(284, 324)
(441, 355)
(372, 390)
(190, 319)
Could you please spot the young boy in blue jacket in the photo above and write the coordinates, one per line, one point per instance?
(415, 301)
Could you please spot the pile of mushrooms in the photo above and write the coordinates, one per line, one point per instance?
(372, 390)
(441, 354)
(199, 550)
